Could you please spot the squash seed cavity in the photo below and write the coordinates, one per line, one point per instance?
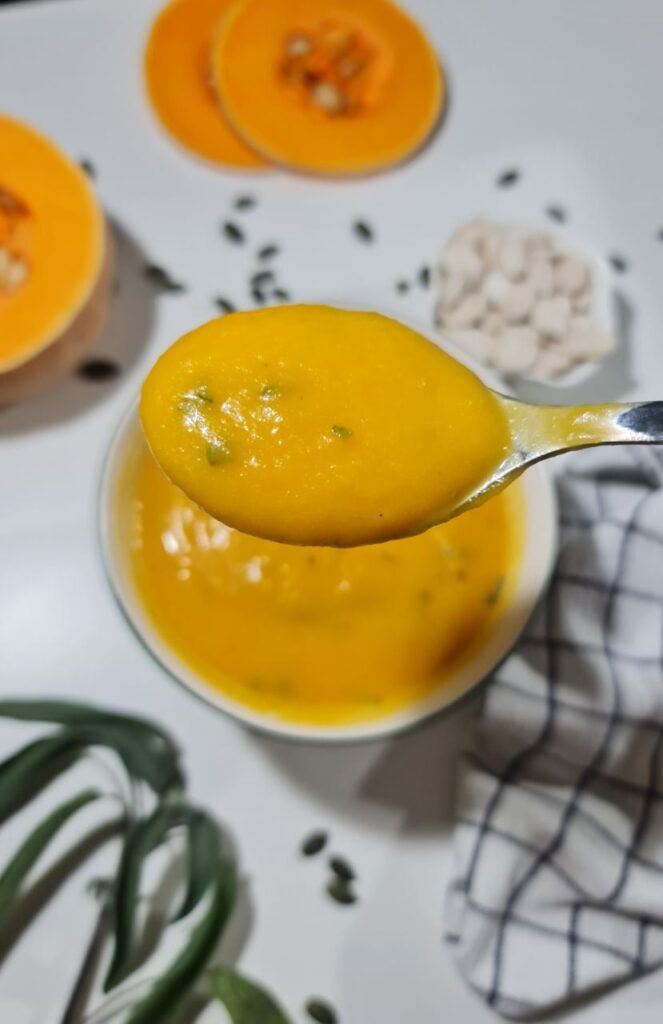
(14, 268)
(331, 66)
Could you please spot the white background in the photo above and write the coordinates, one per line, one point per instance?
(570, 93)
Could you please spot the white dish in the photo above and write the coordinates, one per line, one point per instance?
(537, 558)
(602, 311)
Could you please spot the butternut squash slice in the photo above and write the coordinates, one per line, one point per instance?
(55, 262)
(337, 87)
(177, 77)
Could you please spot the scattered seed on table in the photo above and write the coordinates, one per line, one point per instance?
(314, 843)
(245, 202)
(659, 234)
(342, 869)
(232, 232)
(268, 252)
(402, 287)
(363, 231)
(556, 213)
(508, 178)
(258, 296)
(160, 277)
(618, 263)
(224, 304)
(281, 294)
(424, 277)
(341, 891)
(321, 1011)
(89, 168)
(262, 278)
(98, 370)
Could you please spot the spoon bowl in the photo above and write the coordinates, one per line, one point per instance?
(313, 425)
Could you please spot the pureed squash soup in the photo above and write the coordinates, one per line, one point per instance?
(313, 425)
(318, 635)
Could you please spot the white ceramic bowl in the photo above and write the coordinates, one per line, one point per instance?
(539, 550)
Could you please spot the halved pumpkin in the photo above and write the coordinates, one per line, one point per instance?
(335, 87)
(55, 262)
(177, 76)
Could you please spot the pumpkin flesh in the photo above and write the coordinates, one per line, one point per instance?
(52, 244)
(177, 78)
(327, 86)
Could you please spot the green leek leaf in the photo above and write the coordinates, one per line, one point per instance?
(62, 712)
(246, 1002)
(203, 858)
(35, 844)
(179, 978)
(143, 836)
(158, 766)
(25, 773)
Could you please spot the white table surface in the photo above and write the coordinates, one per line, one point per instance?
(568, 92)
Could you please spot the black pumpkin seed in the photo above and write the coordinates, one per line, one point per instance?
(89, 168)
(341, 891)
(262, 278)
(232, 232)
(225, 305)
(618, 263)
(321, 1011)
(258, 297)
(659, 234)
(402, 287)
(342, 869)
(363, 231)
(508, 178)
(556, 213)
(314, 843)
(98, 370)
(281, 294)
(245, 202)
(268, 252)
(424, 277)
(162, 279)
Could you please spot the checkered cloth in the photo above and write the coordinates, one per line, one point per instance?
(558, 885)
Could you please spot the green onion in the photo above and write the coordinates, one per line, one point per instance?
(217, 451)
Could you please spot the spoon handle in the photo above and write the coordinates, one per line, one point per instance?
(541, 431)
(642, 420)
(544, 430)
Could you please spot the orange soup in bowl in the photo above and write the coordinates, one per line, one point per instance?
(318, 636)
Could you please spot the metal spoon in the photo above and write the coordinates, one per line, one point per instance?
(541, 431)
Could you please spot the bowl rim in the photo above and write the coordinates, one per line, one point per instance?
(535, 568)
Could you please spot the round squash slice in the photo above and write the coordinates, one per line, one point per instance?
(55, 262)
(336, 87)
(177, 75)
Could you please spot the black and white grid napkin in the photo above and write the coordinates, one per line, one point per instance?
(558, 885)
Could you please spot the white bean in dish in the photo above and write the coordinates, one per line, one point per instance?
(519, 300)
